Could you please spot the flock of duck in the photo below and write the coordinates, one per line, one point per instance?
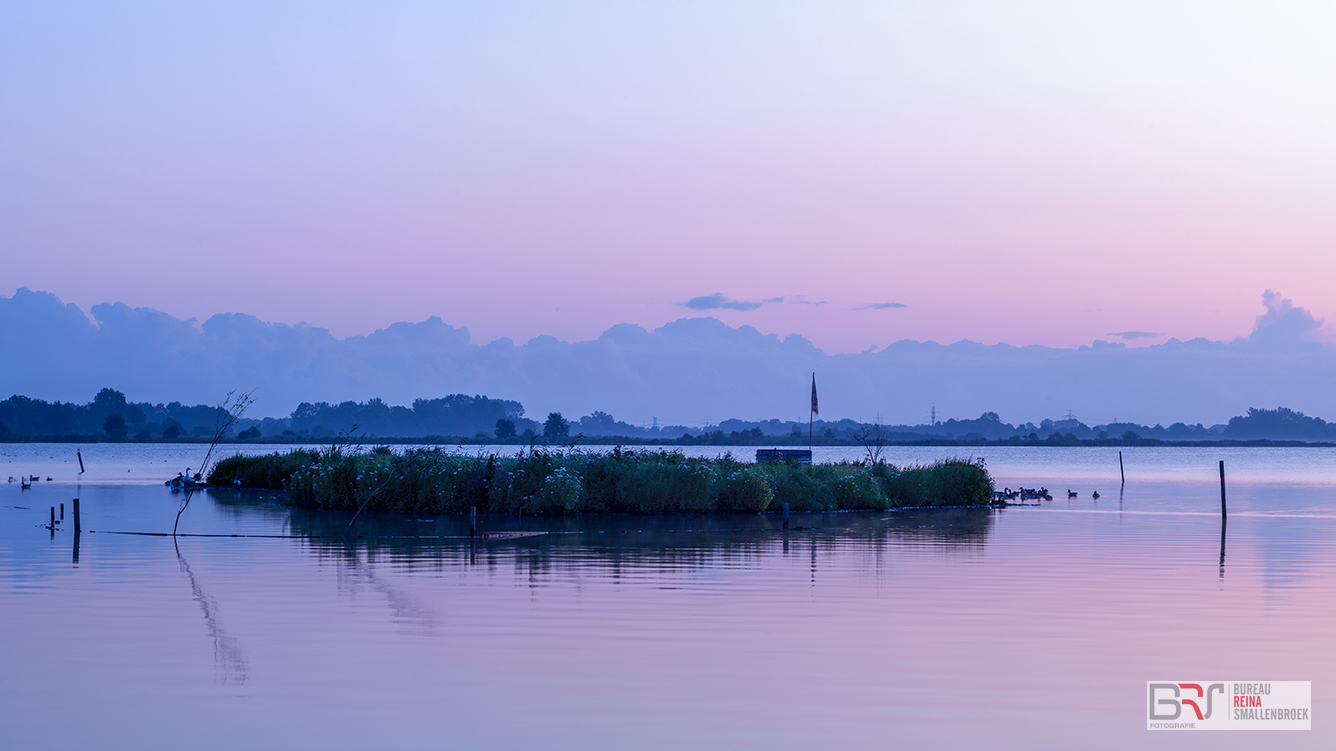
(26, 482)
(1033, 494)
(182, 480)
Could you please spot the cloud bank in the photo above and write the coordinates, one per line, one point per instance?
(692, 371)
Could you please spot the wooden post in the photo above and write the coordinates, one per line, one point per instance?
(473, 521)
(53, 517)
(62, 512)
(786, 516)
(1224, 513)
(80, 455)
(1120, 468)
(77, 527)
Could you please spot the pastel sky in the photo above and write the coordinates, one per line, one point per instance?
(859, 173)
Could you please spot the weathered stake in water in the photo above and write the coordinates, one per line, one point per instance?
(77, 526)
(1223, 512)
(80, 455)
(1121, 473)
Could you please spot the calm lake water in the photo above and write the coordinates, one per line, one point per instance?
(1027, 627)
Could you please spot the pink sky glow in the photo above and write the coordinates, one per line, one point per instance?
(1032, 173)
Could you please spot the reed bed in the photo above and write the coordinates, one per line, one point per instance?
(543, 481)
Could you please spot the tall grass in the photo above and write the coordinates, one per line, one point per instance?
(540, 481)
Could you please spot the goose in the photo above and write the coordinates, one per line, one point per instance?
(1071, 493)
(24, 484)
(1095, 494)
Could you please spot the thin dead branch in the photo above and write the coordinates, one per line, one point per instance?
(229, 411)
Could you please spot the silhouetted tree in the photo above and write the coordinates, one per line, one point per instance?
(172, 431)
(505, 429)
(556, 429)
(1281, 423)
(114, 426)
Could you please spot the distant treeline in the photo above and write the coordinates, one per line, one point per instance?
(479, 418)
(110, 417)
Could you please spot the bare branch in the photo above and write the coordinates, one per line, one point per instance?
(874, 439)
(226, 416)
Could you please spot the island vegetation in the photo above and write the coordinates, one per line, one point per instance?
(570, 481)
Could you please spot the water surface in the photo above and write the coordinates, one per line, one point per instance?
(1028, 627)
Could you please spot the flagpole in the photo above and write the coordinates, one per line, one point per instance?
(810, 413)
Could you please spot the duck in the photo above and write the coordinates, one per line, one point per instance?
(1071, 493)
(1095, 494)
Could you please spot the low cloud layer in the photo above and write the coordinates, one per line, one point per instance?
(692, 371)
(1134, 335)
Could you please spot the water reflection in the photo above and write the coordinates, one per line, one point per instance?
(407, 609)
(618, 542)
(692, 631)
(226, 652)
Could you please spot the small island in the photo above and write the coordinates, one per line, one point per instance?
(539, 480)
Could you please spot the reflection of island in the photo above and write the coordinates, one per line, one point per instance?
(618, 542)
(226, 653)
(958, 529)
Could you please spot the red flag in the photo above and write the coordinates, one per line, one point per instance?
(815, 411)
